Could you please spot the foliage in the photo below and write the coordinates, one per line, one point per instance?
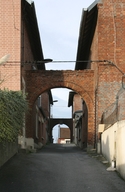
(13, 106)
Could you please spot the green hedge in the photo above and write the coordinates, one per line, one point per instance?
(13, 106)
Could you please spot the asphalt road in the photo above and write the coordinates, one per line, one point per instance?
(58, 168)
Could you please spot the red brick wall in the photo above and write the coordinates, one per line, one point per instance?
(110, 82)
(64, 133)
(77, 103)
(116, 111)
(45, 103)
(84, 131)
(10, 30)
(14, 40)
(109, 39)
(109, 44)
(42, 125)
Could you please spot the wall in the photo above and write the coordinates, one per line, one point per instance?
(40, 119)
(45, 104)
(120, 159)
(80, 126)
(108, 44)
(10, 13)
(77, 106)
(84, 126)
(10, 32)
(110, 32)
(116, 111)
(7, 150)
(113, 143)
(107, 142)
(109, 84)
(77, 103)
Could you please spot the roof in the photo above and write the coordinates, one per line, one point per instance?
(86, 33)
(29, 1)
(50, 97)
(29, 17)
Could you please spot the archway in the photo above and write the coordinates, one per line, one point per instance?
(82, 82)
(61, 121)
(56, 134)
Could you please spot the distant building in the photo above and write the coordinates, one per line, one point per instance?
(80, 119)
(64, 135)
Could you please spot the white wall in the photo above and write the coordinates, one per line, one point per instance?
(121, 148)
(108, 143)
(113, 145)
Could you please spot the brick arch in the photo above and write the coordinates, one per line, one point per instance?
(56, 121)
(70, 85)
(82, 82)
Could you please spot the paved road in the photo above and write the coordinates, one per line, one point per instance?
(58, 168)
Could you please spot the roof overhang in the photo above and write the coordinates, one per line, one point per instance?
(71, 95)
(86, 33)
(50, 97)
(29, 1)
(29, 17)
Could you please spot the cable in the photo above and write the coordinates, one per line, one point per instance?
(49, 61)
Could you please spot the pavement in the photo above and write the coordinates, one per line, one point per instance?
(58, 168)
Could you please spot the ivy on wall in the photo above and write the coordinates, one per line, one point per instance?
(13, 105)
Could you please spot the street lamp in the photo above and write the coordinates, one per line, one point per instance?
(44, 61)
(55, 100)
(47, 60)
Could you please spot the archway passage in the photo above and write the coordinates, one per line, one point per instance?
(68, 122)
(82, 82)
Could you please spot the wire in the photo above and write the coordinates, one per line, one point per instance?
(39, 62)
(47, 62)
(51, 61)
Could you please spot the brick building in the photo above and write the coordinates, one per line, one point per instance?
(20, 39)
(64, 135)
(101, 47)
(80, 119)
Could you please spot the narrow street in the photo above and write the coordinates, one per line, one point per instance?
(58, 168)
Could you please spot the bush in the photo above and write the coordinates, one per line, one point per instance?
(13, 106)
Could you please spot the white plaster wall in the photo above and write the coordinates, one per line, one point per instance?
(120, 157)
(113, 145)
(108, 142)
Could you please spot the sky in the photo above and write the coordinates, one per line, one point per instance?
(59, 23)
